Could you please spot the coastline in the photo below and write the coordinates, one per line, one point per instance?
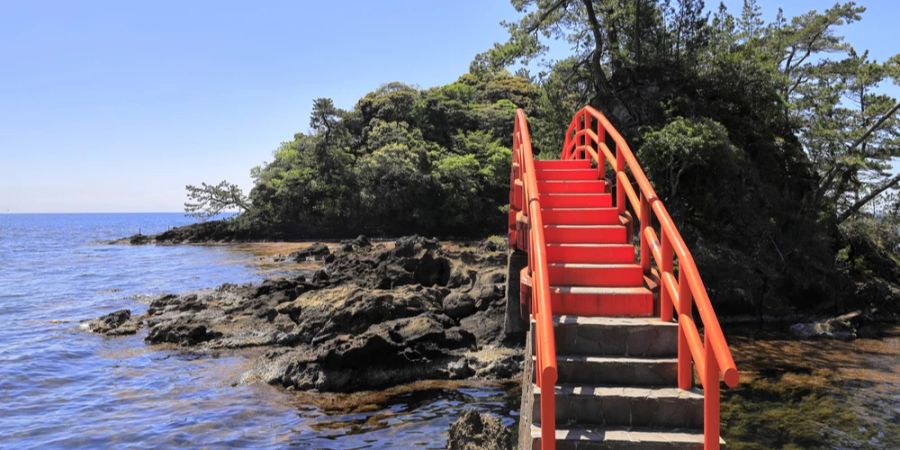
(356, 315)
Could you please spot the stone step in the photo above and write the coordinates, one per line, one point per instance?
(661, 407)
(556, 186)
(623, 438)
(618, 371)
(602, 301)
(615, 336)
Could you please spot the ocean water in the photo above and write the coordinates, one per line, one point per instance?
(61, 387)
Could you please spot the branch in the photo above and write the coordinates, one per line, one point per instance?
(544, 17)
(829, 176)
(859, 204)
(874, 127)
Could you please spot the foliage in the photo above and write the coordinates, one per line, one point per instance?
(209, 200)
(403, 160)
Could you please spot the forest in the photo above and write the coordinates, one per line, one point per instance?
(769, 142)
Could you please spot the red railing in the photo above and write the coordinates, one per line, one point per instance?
(526, 231)
(711, 356)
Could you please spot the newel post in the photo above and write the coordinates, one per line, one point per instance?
(710, 397)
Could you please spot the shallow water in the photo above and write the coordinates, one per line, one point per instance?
(813, 393)
(61, 387)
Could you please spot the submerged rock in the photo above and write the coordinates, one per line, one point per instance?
(841, 327)
(479, 431)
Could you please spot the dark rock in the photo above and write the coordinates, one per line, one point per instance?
(376, 316)
(116, 323)
(484, 325)
(388, 353)
(161, 303)
(432, 271)
(181, 332)
(314, 251)
(410, 245)
(286, 286)
(353, 309)
(491, 245)
(139, 239)
(460, 276)
(498, 366)
(478, 431)
(458, 305)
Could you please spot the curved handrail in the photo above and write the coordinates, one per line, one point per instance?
(670, 234)
(525, 217)
(712, 357)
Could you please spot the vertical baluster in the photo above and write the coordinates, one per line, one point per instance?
(644, 218)
(685, 301)
(710, 396)
(601, 158)
(665, 302)
(620, 192)
(548, 415)
(584, 126)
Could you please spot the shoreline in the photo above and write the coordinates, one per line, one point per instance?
(351, 316)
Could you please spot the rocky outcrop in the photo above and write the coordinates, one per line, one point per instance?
(117, 323)
(372, 316)
(478, 431)
(315, 251)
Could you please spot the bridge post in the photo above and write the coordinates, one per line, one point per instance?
(516, 260)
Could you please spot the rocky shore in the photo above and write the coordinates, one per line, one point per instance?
(372, 316)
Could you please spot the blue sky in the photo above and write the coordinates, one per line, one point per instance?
(115, 106)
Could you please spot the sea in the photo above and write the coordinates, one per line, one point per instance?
(63, 387)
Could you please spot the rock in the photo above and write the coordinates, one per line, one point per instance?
(496, 362)
(410, 245)
(139, 239)
(375, 315)
(317, 250)
(491, 245)
(484, 326)
(458, 305)
(116, 323)
(432, 270)
(842, 327)
(362, 241)
(350, 309)
(459, 369)
(181, 332)
(478, 431)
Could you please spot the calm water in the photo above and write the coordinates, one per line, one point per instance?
(63, 388)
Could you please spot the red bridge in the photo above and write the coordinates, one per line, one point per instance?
(614, 324)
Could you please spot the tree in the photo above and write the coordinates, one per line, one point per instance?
(209, 200)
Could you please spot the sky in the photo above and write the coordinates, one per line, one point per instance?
(110, 106)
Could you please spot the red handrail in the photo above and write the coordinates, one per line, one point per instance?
(712, 357)
(525, 219)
